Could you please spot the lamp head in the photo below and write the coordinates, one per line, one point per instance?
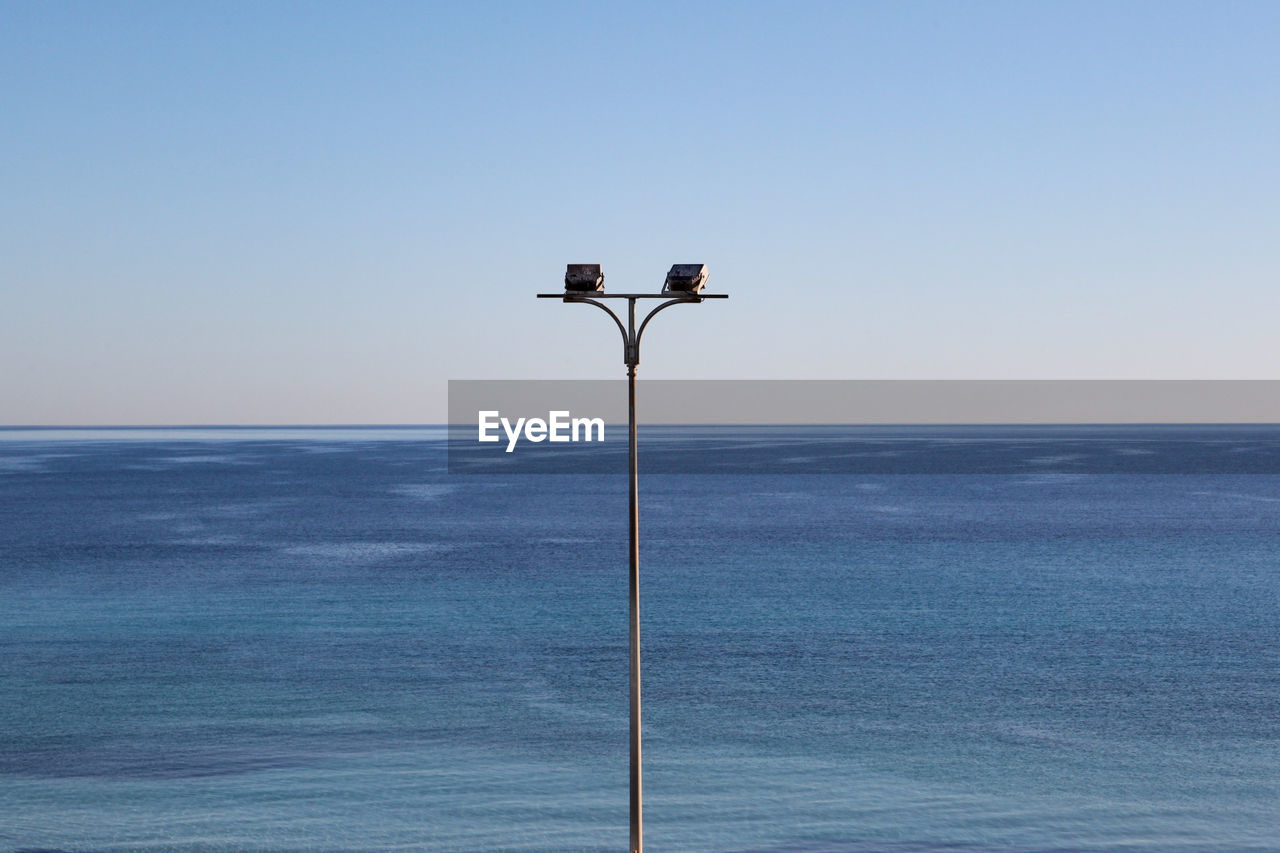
(584, 278)
(685, 278)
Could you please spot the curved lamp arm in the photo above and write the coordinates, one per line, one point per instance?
(626, 339)
(649, 317)
(630, 334)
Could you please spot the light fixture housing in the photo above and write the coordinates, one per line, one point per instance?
(583, 278)
(685, 278)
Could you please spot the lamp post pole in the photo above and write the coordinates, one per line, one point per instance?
(637, 823)
(631, 357)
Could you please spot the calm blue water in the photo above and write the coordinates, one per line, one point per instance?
(286, 640)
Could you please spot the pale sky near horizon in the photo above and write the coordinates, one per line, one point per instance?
(257, 213)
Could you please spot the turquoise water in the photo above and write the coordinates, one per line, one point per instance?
(325, 641)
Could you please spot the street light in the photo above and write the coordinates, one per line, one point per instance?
(585, 283)
(583, 278)
(688, 278)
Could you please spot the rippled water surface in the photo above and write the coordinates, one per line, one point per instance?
(232, 640)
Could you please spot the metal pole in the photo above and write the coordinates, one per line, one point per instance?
(636, 824)
(637, 842)
(631, 356)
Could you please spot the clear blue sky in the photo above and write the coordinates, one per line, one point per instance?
(319, 212)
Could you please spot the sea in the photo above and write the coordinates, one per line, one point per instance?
(331, 639)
